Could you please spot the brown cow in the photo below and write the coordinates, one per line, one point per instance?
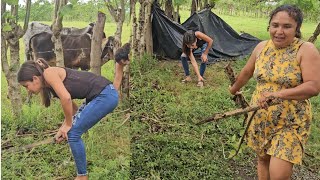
(76, 49)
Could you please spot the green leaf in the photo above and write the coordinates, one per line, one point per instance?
(6, 27)
(12, 2)
(103, 10)
(65, 10)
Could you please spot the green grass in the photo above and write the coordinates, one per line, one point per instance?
(166, 143)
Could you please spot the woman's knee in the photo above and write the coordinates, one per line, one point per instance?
(280, 169)
(74, 136)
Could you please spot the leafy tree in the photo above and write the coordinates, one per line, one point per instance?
(11, 32)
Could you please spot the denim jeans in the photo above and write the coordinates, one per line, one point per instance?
(184, 59)
(86, 117)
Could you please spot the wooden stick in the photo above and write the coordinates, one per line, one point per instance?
(30, 146)
(316, 32)
(239, 98)
(235, 112)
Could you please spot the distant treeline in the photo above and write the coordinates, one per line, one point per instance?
(43, 10)
(251, 8)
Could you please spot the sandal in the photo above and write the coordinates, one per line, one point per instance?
(186, 80)
(200, 83)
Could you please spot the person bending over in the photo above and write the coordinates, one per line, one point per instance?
(101, 98)
(191, 42)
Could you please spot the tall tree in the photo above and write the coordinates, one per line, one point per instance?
(11, 32)
(118, 14)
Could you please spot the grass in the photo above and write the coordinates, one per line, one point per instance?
(166, 143)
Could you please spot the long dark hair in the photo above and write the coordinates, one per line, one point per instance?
(294, 12)
(189, 37)
(35, 68)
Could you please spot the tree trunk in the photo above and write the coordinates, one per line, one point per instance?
(316, 33)
(126, 82)
(140, 36)
(169, 9)
(176, 16)
(134, 40)
(56, 29)
(95, 54)
(194, 6)
(148, 28)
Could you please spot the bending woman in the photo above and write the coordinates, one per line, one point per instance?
(101, 98)
(191, 42)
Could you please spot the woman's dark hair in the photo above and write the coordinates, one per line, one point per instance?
(189, 37)
(122, 53)
(294, 12)
(35, 68)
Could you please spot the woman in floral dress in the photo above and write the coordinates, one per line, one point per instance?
(288, 69)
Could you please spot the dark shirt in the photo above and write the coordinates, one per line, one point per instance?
(199, 43)
(83, 84)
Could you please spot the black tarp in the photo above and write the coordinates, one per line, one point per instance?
(227, 43)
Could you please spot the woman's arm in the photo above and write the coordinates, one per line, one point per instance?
(118, 76)
(206, 38)
(309, 58)
(247, 71)
(195, 66)
(52, 76)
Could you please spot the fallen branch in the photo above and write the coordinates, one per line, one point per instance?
(235, 112)
(30, 146)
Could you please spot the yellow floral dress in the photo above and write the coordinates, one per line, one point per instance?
(282, 130)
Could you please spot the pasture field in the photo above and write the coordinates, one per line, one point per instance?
(162, 140)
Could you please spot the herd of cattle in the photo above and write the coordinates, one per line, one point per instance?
(76, 45)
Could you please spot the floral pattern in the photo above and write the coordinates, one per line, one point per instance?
(282, 130)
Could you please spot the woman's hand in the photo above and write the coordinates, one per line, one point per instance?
(62, 132)
(266, 98)
(233, 92)
(204, 57)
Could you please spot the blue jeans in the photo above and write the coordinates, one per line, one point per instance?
(184, 60)
(86, 117)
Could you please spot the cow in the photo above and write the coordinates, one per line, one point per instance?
(76, 49)
(37, 28)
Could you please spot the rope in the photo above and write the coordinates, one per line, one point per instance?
(41, 52)
(63, 49)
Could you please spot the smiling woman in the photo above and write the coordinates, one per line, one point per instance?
(285, 68)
